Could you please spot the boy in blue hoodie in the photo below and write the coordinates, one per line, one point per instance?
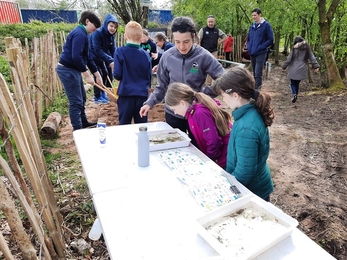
(133, 69)
(102, 46)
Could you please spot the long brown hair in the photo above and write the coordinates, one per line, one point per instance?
(241, 81)
(177, 92)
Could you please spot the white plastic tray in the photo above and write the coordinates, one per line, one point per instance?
(162, 139)
(246, 241)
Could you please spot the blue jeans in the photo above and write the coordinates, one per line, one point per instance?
(294, 86)
(74, 89)
(257, 67)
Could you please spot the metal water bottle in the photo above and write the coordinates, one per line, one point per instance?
(143, 147)
(102, 133)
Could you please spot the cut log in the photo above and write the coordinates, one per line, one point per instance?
(50, 126)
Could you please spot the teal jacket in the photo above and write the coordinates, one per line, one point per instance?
(248, 150)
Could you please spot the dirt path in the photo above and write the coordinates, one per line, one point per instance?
(308, 161)
(308, 157)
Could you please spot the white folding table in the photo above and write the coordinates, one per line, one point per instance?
(147, 213)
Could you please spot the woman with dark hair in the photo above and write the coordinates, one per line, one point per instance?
(208, 122)
(249, 143)
(188, 63)
(297, 61)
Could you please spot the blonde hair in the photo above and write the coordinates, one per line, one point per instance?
(133, 31)
(177, 92)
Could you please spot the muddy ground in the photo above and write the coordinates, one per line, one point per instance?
(308, 162)
(308, 156)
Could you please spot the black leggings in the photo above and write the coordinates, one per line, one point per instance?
(181, 124)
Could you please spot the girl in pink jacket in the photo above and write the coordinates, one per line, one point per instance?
(208, 122)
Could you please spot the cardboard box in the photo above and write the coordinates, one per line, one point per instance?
(245, 228)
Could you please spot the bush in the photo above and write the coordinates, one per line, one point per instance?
(31, 30)
(5, 69)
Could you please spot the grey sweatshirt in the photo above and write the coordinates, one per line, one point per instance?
(190, 69)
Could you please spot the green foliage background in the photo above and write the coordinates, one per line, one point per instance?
(30, 31)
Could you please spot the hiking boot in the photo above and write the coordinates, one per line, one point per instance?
(104, 96)
(89, 124)
(100, 100)
(294, 98)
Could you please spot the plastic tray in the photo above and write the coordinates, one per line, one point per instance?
(250, 240)
(167, 139)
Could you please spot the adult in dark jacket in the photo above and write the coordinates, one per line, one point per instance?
(102, 47)
(259, 39)
(249, 143)
(297, 61)
(74, 62)
(210, 37)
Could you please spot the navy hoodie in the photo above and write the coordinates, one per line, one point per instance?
(101, 42)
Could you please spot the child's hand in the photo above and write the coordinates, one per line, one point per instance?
(316, 69)
(154, 56)
(155, 69)
(112, 66)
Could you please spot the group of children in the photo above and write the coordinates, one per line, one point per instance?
(241, 149)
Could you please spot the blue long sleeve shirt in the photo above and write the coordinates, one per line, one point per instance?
(102, 44)
(75, 53)
(133, 69)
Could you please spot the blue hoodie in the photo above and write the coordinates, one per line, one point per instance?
(260, 37)
(101, 42)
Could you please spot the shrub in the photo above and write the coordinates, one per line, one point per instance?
(31, 30)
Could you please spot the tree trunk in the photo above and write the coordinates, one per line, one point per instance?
(50, 126)
(325, 18)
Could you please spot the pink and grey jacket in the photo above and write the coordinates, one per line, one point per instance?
(203, 127)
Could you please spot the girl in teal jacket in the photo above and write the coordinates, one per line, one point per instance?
(249, 143)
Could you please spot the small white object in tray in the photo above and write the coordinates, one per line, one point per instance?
(167, 139)
(245, 228)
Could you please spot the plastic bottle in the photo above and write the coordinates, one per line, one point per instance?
(96, 230)
(143, 147)
(102, 132)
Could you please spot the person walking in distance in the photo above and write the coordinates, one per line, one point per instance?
(297, 61)
(210, 37)
(260, 38)
(228, 49)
